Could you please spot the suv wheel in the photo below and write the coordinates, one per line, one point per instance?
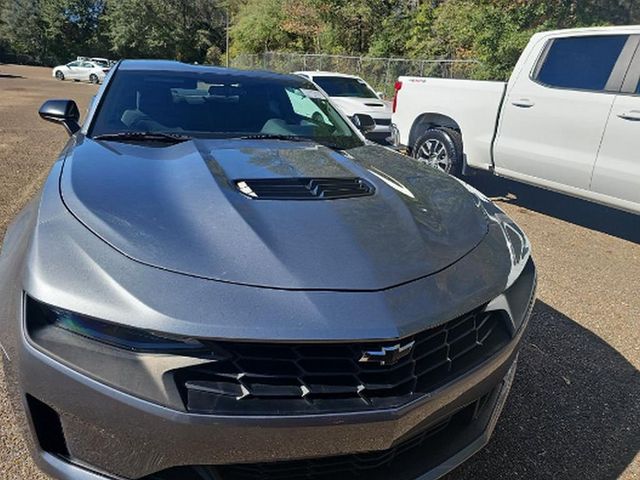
(441, 148)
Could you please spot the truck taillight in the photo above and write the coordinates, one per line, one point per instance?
(396, 87)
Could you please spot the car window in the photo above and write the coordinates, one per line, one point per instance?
(303, 105)
(344, 87)
(87, 65)
(73, 64)
(583, 63)
(211, 104)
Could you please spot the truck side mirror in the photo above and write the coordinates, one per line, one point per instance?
(363, 122)
(61, 111)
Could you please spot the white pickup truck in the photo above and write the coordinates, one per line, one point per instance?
(568, 119)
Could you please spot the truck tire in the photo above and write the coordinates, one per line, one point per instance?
(440, 147)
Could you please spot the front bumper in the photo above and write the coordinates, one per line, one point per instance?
(110, 434)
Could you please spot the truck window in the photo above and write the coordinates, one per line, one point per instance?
(583, 63)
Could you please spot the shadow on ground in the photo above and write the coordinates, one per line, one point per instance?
(579, 212)
(573, 413)
(8, 75)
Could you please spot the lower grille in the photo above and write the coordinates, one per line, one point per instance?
(409, 454)
(281, 379)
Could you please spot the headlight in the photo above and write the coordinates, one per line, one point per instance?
(42, 317)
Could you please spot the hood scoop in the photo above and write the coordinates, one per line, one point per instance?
(374, 104)
(304, 188)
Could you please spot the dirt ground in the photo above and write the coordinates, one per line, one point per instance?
(574, 411)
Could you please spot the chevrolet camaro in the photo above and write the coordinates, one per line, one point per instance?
(221, 278)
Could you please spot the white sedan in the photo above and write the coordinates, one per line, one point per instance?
(353, 95)
(81, 70)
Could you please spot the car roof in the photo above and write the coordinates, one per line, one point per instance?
(624, 29)
(320, 73)
(174, 66)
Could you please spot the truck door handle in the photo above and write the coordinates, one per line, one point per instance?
(523, 103)
(633, 115)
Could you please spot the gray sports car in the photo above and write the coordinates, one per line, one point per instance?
(222, 279)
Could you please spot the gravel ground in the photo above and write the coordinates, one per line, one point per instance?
(574, 411)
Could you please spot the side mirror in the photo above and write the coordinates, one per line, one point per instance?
(363, 122)
(61, 111)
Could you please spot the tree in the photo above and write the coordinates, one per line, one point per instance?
(72, 27)
(180, 29)
(23, 27)
(258, 27)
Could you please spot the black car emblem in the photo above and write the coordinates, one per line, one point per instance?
(387, 355)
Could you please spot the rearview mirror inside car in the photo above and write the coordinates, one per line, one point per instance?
(61, 111)
(363, 122)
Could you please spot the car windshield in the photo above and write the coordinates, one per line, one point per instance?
(344, 87)
(220, 104)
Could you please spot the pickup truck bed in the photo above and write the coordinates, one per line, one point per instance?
(474, 112)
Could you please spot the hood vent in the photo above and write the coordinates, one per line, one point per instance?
(374, 104)
(304, 188)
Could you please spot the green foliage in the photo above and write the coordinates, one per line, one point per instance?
(23, 27)
(491, 31)
(71, 27)
(180, 29)
(258, 27)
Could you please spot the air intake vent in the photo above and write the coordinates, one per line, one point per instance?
(304, 188)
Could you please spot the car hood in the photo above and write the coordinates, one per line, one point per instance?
(370, 106)
(178, 208)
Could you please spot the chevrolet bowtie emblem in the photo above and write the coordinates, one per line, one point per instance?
(387, 355)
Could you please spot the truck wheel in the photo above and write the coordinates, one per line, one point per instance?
(441, 148)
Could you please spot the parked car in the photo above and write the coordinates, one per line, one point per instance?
(353, 95)
(81, 70)
(221, 278)
(568, 119)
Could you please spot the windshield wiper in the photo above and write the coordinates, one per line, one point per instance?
(166, 137)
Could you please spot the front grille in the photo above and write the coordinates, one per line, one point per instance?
(303, 188)
(382, 121)
(416, 453)
(280, 379)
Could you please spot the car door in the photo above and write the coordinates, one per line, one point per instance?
(73, 70)
(617, 170)
(85, 70)
(555, 113)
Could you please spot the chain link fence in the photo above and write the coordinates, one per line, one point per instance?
(380, 73)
